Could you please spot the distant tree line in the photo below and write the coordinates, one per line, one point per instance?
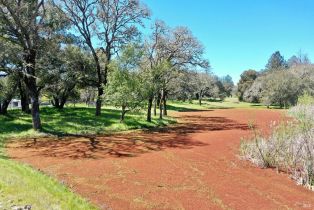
(280, 83)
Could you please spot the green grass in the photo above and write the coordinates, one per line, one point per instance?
(20, 184)
(79, 120)
(228, 103)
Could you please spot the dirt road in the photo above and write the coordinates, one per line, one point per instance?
(191, 165)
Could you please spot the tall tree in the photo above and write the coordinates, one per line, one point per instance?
(276, 62)
(113, 22)
(167, 51)
(22, 22)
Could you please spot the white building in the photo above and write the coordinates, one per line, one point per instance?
(2, 74)
(15, 103)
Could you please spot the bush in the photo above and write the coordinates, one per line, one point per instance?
(290, 146)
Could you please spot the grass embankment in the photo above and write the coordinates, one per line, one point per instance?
(21, 184)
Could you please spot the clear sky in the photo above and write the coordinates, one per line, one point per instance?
(242, 34)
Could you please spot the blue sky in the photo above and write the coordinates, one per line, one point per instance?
(242, 34)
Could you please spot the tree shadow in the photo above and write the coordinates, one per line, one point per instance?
(72, 120)
(130, 144)
(183, 109)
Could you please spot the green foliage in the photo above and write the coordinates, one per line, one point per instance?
(8, 87)
(21, 185)
(75, 120)
(125, 88)
(247, 79)
(67, 69)
(228, 85)
(281, 88)
(276, 62)
(306, 99)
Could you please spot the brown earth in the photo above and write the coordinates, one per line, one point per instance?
(191, 165)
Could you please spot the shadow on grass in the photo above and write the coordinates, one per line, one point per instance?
(184, 109)
(264, 106)
(74, 121)
(130, 144)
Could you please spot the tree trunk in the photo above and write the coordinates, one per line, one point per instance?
(99, 81)
(62, 103)
(30, 82)
(4, 107)
(24, 99)
(165, 103)
(123, 112)
(99, 101)
(149, 109)
(200, 98)
(56, 102)
(160, 105)
(155, 106)
(35, 112)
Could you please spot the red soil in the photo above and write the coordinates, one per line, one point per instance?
(192, 165)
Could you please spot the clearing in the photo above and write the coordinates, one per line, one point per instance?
(191, 165)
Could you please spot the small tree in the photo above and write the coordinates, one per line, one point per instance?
(125, 85)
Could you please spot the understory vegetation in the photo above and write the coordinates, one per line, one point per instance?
(290, 146)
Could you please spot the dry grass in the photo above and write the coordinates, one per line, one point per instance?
(289, 148)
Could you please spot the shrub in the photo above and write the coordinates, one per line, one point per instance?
(289, 147)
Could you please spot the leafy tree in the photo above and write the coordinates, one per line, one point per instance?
(184, 85)
(125, 87)
(254, 93)
(11, 62)
(167, 51)
(228, 85)
(281, 88)
(29, 24)
(305, 73)
(114, 22)
(276, 62)
(246, 81)
(8, 86)
(67, 69)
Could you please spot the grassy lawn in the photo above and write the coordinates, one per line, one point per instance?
(228, 103)
(21, 184)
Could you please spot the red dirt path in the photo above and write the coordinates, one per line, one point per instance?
(192, 165)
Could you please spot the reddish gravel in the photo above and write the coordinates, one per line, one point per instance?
(192, 165)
